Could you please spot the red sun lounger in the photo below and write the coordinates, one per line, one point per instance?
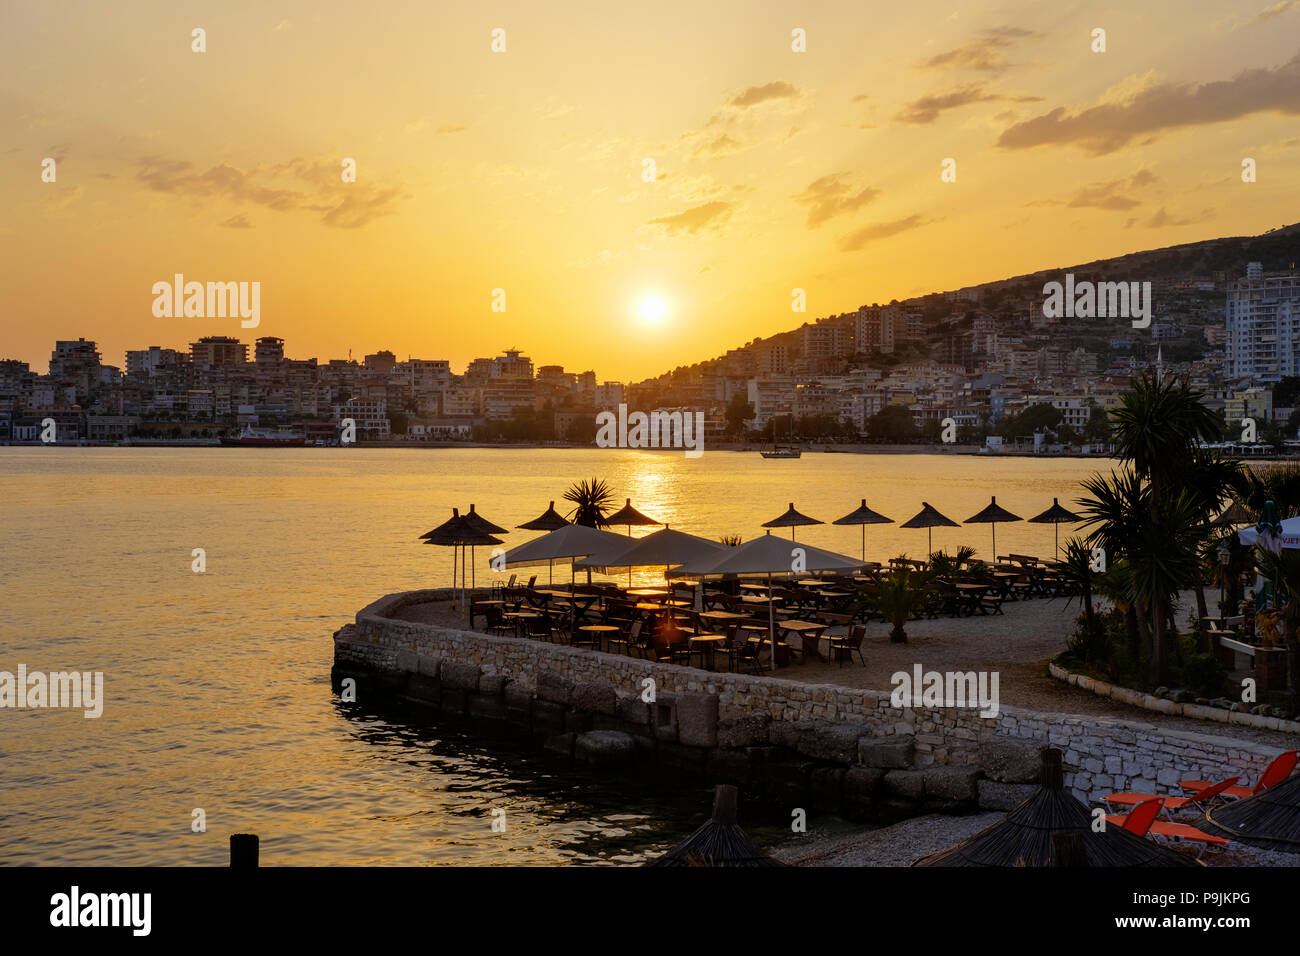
(1273, 774)
(1171, 803)
(1142, 821)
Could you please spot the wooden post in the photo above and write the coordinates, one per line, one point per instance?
(1067, 849)
(1053, 773)
(724, 803)
(243, 851)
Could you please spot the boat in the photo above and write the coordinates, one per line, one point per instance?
(782, 453)
(264, 439)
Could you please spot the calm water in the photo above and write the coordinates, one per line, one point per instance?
(217, 684)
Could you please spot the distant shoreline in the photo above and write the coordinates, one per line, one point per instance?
(969, 451)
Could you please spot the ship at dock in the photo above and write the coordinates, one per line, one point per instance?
(260, 438)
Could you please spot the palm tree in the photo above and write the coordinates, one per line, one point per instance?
(593, 499)
(898, 595)
(1279, 484)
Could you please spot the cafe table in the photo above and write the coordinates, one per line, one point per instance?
(709, 643)
(810, 631)
(598, 632)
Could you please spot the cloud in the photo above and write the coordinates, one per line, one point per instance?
(311, 185)
(695, 220)
(59, 152)
(754, 95)
(449, 128)
(238, 222)
(983, 55)
(1113, 194)
(829, 197)
(868, 234)
(720, 145)
(1268, 13)
(1163, 218)
(1157, 107)
(928, 108)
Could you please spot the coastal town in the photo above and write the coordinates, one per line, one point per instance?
(986, 366)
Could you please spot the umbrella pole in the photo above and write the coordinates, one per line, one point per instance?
(994, 525)
(864, 542)
(771, 619)
(629, 567)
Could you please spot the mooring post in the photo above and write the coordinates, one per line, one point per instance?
(243, 851)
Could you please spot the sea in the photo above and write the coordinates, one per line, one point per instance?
(205, 585)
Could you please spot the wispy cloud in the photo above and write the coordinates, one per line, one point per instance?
(928, 108)
(310, 184)
(869, 234)
(983, 55)
(831, 196)
(703, 218)
(754, 95)
(1156, 107)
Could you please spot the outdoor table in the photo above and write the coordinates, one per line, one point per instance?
(710, 643)
(598, 633)
(810, 631)
(970, 596)
(520, 617)
(723, 616)
(647, 592)
(754, 587)
(782, 651)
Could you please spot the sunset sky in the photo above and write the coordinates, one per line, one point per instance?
(522, 170)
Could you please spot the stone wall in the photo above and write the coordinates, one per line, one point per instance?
(839, 749)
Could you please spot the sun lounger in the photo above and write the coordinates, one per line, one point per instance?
(1273, 774)
(1142, 822)
(1171, 803)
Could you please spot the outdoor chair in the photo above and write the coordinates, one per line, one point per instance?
(496, 620)
(1273, 774)
(627, 639)
(842, 648)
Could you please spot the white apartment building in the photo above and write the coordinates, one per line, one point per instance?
(1263, 326)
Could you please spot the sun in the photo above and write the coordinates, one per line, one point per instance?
(652, 309)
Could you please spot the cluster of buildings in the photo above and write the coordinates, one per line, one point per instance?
(974, 356)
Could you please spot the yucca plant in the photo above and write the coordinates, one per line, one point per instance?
(899, 594)
(593, 499)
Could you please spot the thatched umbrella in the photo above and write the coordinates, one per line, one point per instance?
(929, 518)
(864, 516)
(456, 532)
(1236, 513)
(1052, 828)
(791, 519)
(1269, 819)
(720, 842)
(548, 520)
(477, 522)
(991, 515)
(630, 516)
(1055, 515)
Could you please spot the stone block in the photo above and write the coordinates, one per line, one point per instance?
(492, 685)
(697, 720)
(408, 661)
(594, 698)
(950, 783)
(633, 709)
(862, 786)
(553, 687)
(453, 700)
(457, 676)
(428, 665)
(1011, 761)
(909, 784)
(605, 748)
(746, 731)
(888, 753)
(832, 742)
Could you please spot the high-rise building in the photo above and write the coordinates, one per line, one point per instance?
(1263, 325)
(269, 350)
(218, 351)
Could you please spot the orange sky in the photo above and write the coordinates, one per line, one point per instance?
(522, 170)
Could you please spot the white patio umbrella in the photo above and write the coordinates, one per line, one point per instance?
(767, 555)
(1289, 538)
(661, 549)
(572, 541)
